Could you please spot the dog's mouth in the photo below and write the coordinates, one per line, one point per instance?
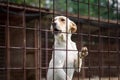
(56, 31)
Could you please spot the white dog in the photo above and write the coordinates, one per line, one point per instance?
(65, 58)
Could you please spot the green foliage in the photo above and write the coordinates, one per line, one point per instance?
(16, 1)
(35, 3)
(93, 8)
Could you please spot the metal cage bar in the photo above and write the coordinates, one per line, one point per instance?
(8, 44)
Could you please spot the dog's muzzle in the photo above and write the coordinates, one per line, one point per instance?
(56, 31)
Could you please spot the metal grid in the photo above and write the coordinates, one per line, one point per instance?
(26, 42)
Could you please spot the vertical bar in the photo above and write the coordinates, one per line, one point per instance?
(78, 36)
(24, 41)
(39, 48)
(81, 45)
(36, 49)
(8, 43)
(117, 12)
(53, 40)
(79, 41)
(108, 36)
(109, 50)
(46, 49)
(89, 38)
(66, 38)
(39, 45)
(117, 49)
(118, 55)
(117, 41)
(100, 43)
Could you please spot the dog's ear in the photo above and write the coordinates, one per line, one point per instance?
(73, 27)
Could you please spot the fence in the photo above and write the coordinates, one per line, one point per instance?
(26, 41)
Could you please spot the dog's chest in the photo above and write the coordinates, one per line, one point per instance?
(67, 53)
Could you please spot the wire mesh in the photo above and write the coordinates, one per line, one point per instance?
(26, 42)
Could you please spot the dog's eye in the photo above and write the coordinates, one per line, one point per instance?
(62, 19)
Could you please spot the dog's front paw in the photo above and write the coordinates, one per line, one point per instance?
(84, 52)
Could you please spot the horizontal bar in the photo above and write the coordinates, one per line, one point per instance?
(85, 67)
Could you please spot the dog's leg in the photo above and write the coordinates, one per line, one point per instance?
(62, 75)
(77, 64)
(78, 60)
(50, 74)
(59, 73)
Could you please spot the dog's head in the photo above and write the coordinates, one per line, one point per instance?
(62, 24)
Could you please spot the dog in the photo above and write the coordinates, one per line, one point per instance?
(65, 57)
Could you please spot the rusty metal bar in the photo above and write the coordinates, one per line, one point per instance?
(53, 48)
(118, 53)
(46, 51)
(36, 50)
(100, 43)
(39, 44)
(79, 40)
(66, 14)
(118, 42)
(89, 38)
(7, 44)
(109, 40)
(24, 41)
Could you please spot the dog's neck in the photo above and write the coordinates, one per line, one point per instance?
(62, 39)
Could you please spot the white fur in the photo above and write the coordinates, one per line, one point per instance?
(65, 50)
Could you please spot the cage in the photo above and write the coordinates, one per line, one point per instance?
(26, 40)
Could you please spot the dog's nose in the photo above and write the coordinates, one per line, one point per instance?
(54, 24)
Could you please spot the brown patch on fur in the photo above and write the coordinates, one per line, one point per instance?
(73, 27)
